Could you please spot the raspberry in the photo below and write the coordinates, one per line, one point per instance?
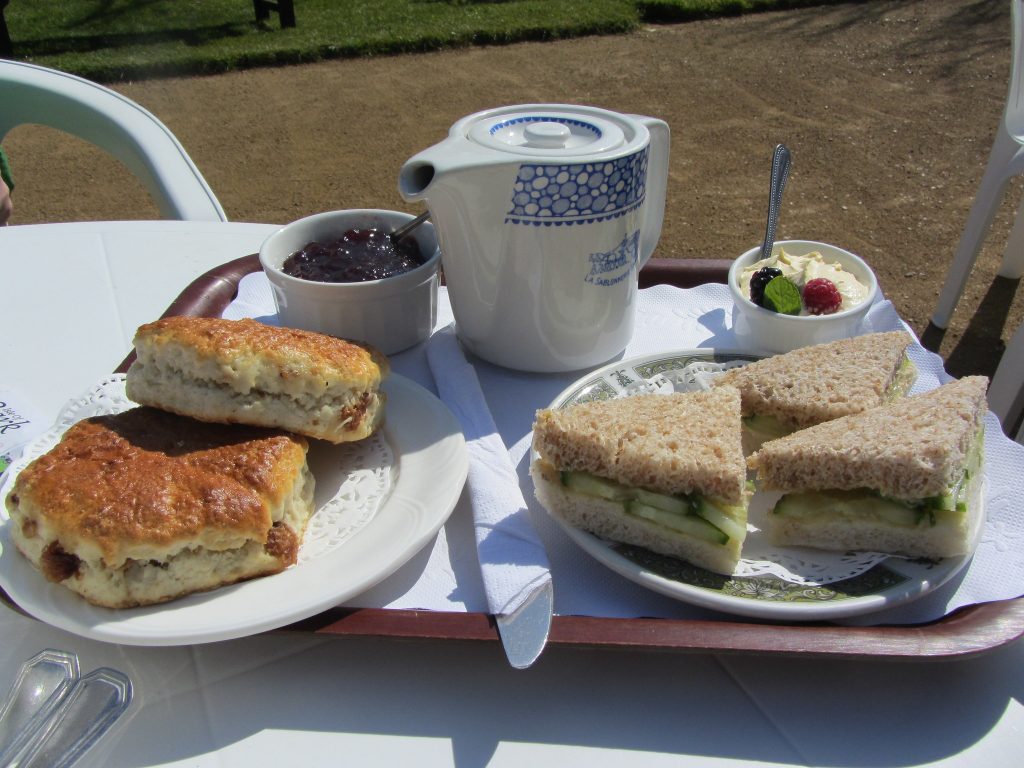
(759, 280)
(821, 297)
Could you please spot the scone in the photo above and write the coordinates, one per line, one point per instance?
(245, 372)
(145, 506)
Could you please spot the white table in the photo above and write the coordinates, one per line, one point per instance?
(73, 295)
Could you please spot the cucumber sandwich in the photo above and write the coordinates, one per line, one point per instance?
(663, 472)
(903, 478)
(811, 385)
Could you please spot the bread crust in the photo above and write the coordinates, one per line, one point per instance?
(678, 443)
(815, 384)
(913, 448)
(246, 372)
(146, 488)
(254, 355)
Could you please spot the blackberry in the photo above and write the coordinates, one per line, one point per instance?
(759, 280)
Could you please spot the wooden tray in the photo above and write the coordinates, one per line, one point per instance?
(968, 631)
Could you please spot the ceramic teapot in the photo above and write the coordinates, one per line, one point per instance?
(545, 214)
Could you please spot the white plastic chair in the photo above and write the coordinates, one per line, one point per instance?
(114, 123)
(1006, 392)
(1005, 161)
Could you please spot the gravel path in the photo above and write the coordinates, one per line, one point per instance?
(889, 109)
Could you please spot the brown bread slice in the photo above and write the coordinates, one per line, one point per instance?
(811, 385)
(913, 448)
(678, 443)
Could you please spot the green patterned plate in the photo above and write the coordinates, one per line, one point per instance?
(780, 583)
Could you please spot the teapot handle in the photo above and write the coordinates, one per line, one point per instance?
(657, 184)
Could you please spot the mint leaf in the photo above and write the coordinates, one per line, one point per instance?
(781, 295)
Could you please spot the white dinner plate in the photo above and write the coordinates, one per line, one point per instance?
(378, 503)
(779, 583)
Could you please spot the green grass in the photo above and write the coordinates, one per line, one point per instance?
(109, 40)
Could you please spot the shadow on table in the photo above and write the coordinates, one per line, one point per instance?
(466, 707)
(890, 714)
(979, 349)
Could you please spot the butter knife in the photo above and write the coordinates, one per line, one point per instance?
(524, 633)
(520, 599)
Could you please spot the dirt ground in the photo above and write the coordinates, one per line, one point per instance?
(889, 109)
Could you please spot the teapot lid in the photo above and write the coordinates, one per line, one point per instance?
(543, 131)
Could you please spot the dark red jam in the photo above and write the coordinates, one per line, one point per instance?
(357, 256)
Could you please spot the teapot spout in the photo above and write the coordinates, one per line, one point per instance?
(415, 178)
(421, 173)
(441, 165)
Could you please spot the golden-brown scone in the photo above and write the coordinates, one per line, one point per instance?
(246, 372)
(146, 506)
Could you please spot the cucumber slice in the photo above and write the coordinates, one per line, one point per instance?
(691, 525)
(955, 499)
(677, 505)
(947, 502)
(867, 504)
(892, 512)
(904, 379)
(858, 504)
(589, 485)
(692, 515)
(765, 426)
(726, 519)
(947, 516)
(799, 505)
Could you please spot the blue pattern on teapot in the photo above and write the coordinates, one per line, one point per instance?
(578, 194)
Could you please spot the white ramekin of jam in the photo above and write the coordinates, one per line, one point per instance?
(339, 273)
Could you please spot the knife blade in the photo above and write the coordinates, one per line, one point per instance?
(524, 633)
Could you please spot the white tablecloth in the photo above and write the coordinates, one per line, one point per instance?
(285, 698)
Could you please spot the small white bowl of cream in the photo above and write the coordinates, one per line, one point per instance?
(761, 327)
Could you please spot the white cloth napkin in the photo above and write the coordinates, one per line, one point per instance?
(513, 562)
